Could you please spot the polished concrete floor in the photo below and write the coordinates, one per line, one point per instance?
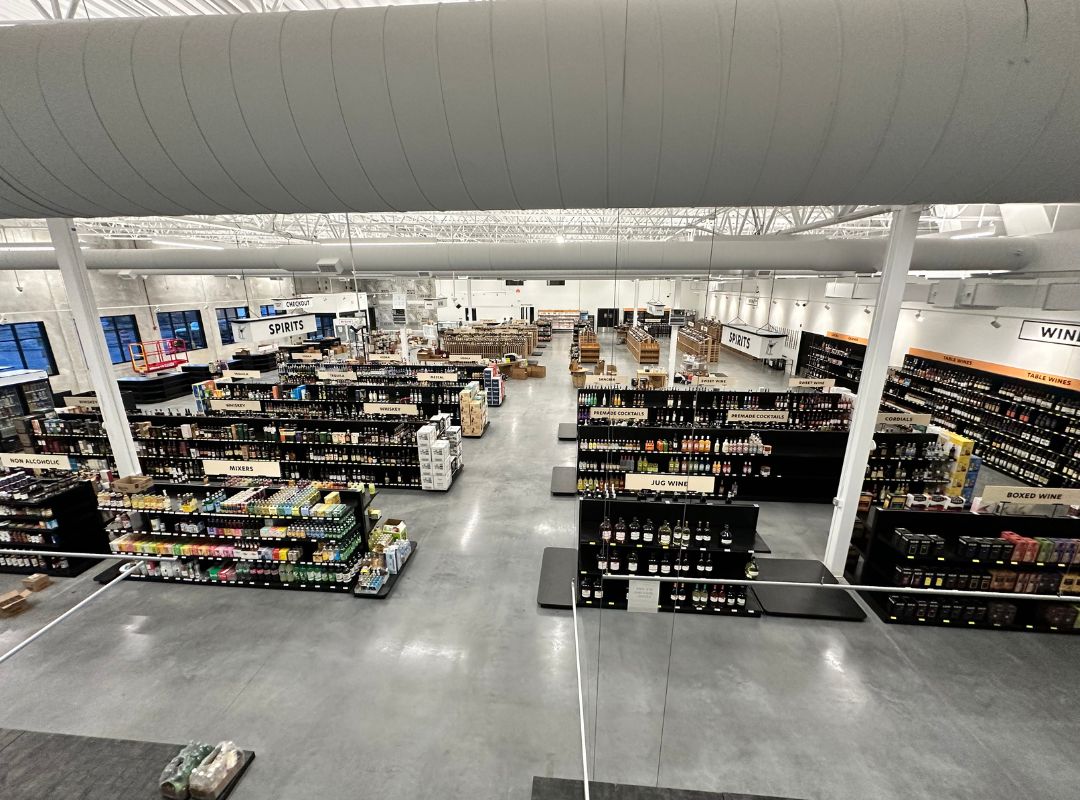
(458, 685)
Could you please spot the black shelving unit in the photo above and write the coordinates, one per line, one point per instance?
(822, 356)
(903, 463)
(951, 562)
(1025, 429)
(63, 516)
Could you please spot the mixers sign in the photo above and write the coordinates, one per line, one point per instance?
(270, 328)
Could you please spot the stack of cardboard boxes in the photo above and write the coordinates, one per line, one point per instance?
(494, 386)
(473, 411)
(961, 484)
(439, 446)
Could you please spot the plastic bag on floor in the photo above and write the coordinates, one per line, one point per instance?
(211, 777)
(174, 778)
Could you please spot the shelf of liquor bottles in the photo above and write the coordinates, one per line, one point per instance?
(702, 541)
(297, 372)
(823, 356)
(959, 550)
(1023, 428)
(902, 463)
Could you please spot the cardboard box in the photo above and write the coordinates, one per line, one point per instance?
(425, 434)
(519, 373)
(537, 371)
(36, 582)
(12, 603)
(133, 484)
(577, 377)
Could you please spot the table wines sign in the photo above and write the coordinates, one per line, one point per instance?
(236, 405)
(404, 409)
(437, 377)
(618, 414)
(261, 469)
(636, 481)
(34, 461)
(811, 383)
(1025, 494)
(757, 415)
(605, 381)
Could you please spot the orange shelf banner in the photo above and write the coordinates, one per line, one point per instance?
(1000, 369)
(847, 337)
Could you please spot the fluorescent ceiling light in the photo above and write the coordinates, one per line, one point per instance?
(975, 235)
(187, 244)
(14, 248)
(957, 273)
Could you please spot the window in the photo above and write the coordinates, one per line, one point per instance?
(515, 283)
(186, 325)
(556, 283)
(324, 326)
(25, 345)
(268, 311)
(225, 319)
(120, 331)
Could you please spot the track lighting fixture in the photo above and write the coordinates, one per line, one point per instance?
(827, 306)
(866, 309)
(994, 323)
(919, 316)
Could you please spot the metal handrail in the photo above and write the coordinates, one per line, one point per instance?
(580, 695)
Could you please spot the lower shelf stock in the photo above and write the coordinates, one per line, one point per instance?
(390, 582)
(751, 609)
(874, 600)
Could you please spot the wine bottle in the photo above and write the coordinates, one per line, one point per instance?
(665, 534)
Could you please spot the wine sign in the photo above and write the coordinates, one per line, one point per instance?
(636, 481)
(606, 381)
(241, 373)
(437, 377)
(404, 409)
(812, 383)
(35, 461)
(758, 415)
(262, 469)
(236, 405)
(643, 596)
(606, 412)
(902, 418)
(710, 382)
(1025, 494)
(335, 375)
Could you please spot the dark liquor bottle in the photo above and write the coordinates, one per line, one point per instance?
(665, 565)
(605, 530)
(632, 563)
(602, 558)
(598, 590)
(620, 531)
(654, 568)
(613, 560)
(586, 589)
(751, 569)
(726, 537)
(648, 534)
(665, 534)
(634, 530)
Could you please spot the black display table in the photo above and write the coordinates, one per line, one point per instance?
(780, 601)
(146, 389)
(567, 431)
(563, 481)
(557, 571)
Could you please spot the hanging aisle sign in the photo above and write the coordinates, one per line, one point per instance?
(902, 418)
(1034, 330)
(35, 461)
(1025, 494)
(754, 343)
(271, 328)
(768, 415)
(236, 405)
(262, 469)
(437, 377)
(711, 382)
(404, 409)
(605, 381)
(636, 481)
(606, 412)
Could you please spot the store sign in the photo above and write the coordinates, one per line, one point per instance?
(845, 337)
(1033, 330)
(241, 373)
(385, 358)
(271, 328)
(606, 412)
(1024, 494)
(902, 418)
(236, 405)
(404, 409)
(711, 382)
(737, 415)
(261, 469)
(753, 343)
(307, 358)
(468, 358)
(328, 303)
(636, 481)
(34, 461)
(335, 375)
(999, 369)
(811, 383)
(437, 377)
(606, 381)
(84, 401)
(643, 596)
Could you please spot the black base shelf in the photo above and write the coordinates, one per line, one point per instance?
(113, 571)
(873, 600)
(558, 570)
(780, 601)
(751, 609)
(391, 580)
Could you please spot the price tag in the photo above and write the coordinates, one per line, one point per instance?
(643, 597)
(35, 461)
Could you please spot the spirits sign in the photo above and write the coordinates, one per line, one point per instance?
(902, 418)
(261, 469)
(335, 375)
(643, 596)
(34, 461)
(636, 481)
(711, 382)
(605, 412)
(241, 373)
(272, 328)
(1025, 494)
(236, 405)
(770, 415)
(606, 381)
(811, 383)
(404, 409)
(437, 377)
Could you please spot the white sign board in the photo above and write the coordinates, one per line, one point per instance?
(307, 358)
(437, 377)
(385, 358)
(262, 469)
(811, 383)
(636, 481)
(753, 343)
(1030, 496)
(902, 418)
(767, 415)
(710, 382)
(404, 409)
(34, 461)
(643, 596)
(335, 375)
(399, 300)
(606, 381)
(605, 412)
(329, 303)
(235, 405)
(85, 401)
(241, 373)
(1033, 330)
(272, 328)
(468, 358)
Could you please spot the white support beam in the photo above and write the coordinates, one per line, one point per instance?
(637, 287)
(84, 309)
(905, 224)
(468, 298)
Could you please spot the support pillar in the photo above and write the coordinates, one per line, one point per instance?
(905, 223)
(637, 287)
(468, 298)
(84, 309)
(405, 344)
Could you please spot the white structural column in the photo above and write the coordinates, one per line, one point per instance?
(673, 341)
(637, 287)
(92, 340)
(405, 344)
(905, 222)
(468, 298)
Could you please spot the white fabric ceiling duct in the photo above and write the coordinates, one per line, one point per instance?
(572, 259)
(543, 104)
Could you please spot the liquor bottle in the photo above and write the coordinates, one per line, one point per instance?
(605, 530)
(708, 564)
(613, 560)
(654, 568)
(751, 569)
(726, 536)
(740, 599)
(586, 589)
(701, 596)
(730, 598)
(648, 536)
(706, 533)
(598, 590)
(715, 596)
(620, 531)
(635, 530)
(682, 592)
(632, 563)
(677, 534)
(665, 565)
(665, 534)
(602, 558)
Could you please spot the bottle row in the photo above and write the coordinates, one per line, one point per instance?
(612, 560)
(674, 466)
(325, 392)
(702, 595)
(679, 535)
(696, 400)
(829, 420)
(137, 543)
(33, 562)
(752, 445)
(243, 571)
(8, 536)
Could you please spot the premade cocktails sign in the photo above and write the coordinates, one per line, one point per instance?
(618, 414)
(757, 415)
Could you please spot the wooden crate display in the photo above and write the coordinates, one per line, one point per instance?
(643, 347)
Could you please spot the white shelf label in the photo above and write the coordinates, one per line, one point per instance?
(35, 461)
(307, 357)
(405, 409)
(262, 469)
(769, 415)
(812, 383)
(335, 375)
(385, 358)
(902, 418)
(643, 596)
(1024, 494)
(241, 373)
(605, 381)
(710, 382)
(86, 402)
(606, 412)
(236, 405)
(467, 358)
(433, 377)
(636, 481)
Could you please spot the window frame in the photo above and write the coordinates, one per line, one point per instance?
(46, 345)
(186, 316)
(225, 321)
(111, 322)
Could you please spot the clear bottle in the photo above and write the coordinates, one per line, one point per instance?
(634, 530)
(665, 534)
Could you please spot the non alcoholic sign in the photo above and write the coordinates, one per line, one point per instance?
(404, 409)
(437, 377)
(902, 418)
(811, 383)
(385, 358)
(261, 469)
(643, 596)
(607, 412)
(605, 381)
(236, 405)
(1034, 330)
(241, 373)
(82, 400)
(35, 461)
(1026, 494)
(335, 375)
(271, 328)
(758, 415)
(711, 382)
(636, 481)
(466, 358)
